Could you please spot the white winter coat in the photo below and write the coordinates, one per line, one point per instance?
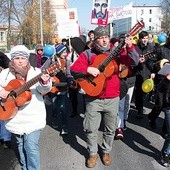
(31, 116)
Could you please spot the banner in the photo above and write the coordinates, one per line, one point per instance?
(120, 12)
(67, 23)
(100, 12)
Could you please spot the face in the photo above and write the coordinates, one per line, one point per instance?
(63, 54)
(103, 41)
(91, 36)
(145, 40)
(40, 51)
(100, 8)
(20, 61)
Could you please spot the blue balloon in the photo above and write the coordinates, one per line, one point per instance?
(49, 50)
(161, 38)
(165, 34)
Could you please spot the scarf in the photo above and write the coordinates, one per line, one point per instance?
(39, 60)
(102, 49)
(19, 73)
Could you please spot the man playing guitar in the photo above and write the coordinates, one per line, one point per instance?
(101, 84)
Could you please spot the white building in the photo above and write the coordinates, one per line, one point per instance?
(151, 15)
(124, 18)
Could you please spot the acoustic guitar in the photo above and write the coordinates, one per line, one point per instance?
(56, 84)
(20, 94)
(125, 71)
(93, 86)
(159, 64)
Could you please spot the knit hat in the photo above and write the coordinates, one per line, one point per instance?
(77, 44)
(60, 48)
(39, 47)
(19, 50)
(100, 31)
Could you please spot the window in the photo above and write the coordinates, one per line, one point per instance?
(2, 38)
(150, 11)
(142, 12)
(150, 28)
(150, 19)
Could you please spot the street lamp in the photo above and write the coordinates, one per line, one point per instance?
(41, 27)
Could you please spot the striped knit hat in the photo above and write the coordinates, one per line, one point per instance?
(60, 48)
(19, 50)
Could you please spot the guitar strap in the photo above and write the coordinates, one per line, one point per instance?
(72, 56)
(88, 56)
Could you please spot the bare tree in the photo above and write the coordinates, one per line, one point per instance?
(166, 15)
(24, 14)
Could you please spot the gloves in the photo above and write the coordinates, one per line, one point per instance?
(71, 82)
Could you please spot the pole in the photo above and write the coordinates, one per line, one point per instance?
(41, 27)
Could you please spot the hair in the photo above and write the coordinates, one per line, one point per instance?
(90, 32)
(143, 34)
(64, 40)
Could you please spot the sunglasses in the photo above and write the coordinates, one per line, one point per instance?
(40, 50)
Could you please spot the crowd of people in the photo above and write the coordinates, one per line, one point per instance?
(105, 71)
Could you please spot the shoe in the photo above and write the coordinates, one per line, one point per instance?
(64, 130)
(54, 125)
(106, 159)
(165, 159)
(125, 127)
(7, 144)
(54, 122)
(119, 133)
(91, 161)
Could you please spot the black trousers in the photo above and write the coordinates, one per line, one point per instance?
(74, 99)
(153, 115)
(139, 94)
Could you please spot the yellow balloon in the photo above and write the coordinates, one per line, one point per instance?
(155, 39)
(147, 85)
(135, 39)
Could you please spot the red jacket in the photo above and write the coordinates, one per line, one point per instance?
(80, 66)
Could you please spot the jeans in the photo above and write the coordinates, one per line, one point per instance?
(4, 133)
(166, 146)
(124, 106)
(28, 147)
(60, 103)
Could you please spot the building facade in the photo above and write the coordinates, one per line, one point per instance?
(151, 15)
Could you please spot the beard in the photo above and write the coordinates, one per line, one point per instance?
(100, 15)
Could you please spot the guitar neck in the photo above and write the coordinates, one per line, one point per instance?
(117, 50)
(112, 55)
(26, 86)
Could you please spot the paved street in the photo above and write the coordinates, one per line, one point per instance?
(139, 150)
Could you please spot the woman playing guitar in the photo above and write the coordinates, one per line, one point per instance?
(24, 121)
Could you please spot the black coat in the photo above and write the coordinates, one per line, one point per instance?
(4, 60)
(161, 52)
(164, 87)
(142, 68)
